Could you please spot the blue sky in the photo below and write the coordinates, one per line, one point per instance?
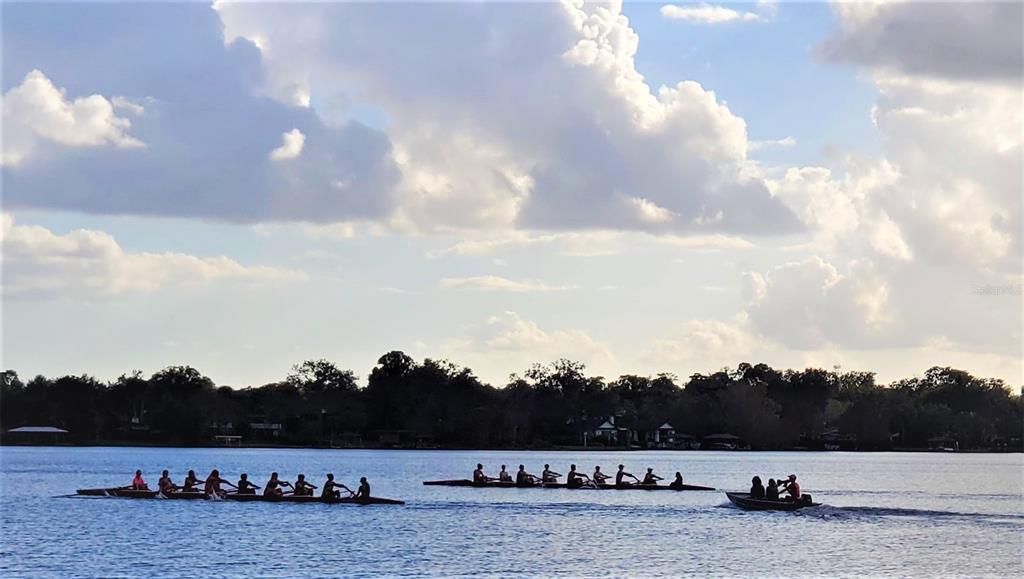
(501, 185)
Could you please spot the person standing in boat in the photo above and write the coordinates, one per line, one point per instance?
(771, 492)
(756, 488)
(678, 482)
(504, 476)
(273, 488)
(479, 477)
(650, 478)
(792, 487)
(245, 486)
(620, 475)
(138, 483)
(213, 483)
(363, 492)
(525, 479)
(191, 481)
(548, 475)
(599, 477)
(329, 491)
(302, 488)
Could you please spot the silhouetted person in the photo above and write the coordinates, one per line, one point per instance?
(504, 475)
(650, 478)
(245, 486)
(772, 490)
(678, 482)
(756, 488)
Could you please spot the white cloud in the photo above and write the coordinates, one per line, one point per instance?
(783, 142)
(36, 111)
(523, 117)
(291, 146)
(497, 283)
(88, 264)
(706, 14)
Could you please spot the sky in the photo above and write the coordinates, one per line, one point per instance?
(645, 188)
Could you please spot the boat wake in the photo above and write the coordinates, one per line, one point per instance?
(828, 511)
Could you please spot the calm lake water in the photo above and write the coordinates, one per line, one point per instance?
(924, 515)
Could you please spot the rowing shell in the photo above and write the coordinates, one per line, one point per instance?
(133, 494)
(512, 485)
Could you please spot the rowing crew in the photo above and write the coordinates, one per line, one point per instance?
(574, 479)
(274, 487)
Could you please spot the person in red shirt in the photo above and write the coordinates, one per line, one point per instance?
(138, 484)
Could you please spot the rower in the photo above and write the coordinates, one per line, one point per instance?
(273, 486)
(164, 484)
(549, 476)
(504, 475)
(302, 488)
(245, 486)
(620, 474)
(599, 477)
(650, 478)
(678, 482)
(191, 481)
(524, 478)
(213, 483)
(138, 484)
(574, 480)
(363, 492)
(328, 492)
(792, 487)
(479, 477)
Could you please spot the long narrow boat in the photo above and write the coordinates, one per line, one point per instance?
(512, 485)
(745, 501)
(133, 494)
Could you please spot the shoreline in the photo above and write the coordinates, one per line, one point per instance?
(120, 444)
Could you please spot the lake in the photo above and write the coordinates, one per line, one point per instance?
(922, 515)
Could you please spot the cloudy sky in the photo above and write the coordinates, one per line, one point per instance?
(643, 187)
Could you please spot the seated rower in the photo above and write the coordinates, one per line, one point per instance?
(524, 478)
(756, 488)
(165, 484)
(771, 492)
(274, 486)
(599, 477)
(363, 492)
(678, 482)
(504, 475)
(792, 487)
(245, 486)
(479, 477)
(620, 475)
(650, 478)
(138, 484)
(548, 475)
(191, 481)
(213, 483)
(301, 488)
(575, 480)
(329, 491)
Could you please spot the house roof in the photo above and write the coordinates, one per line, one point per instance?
(666, 426)
(46, 429)
(606, 426)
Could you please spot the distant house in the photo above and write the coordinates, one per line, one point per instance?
(610, 433)
(266, 428)
(36, 434)
(720, 441)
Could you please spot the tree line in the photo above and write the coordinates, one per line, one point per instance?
(438, 403)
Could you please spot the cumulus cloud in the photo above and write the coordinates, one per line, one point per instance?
(951, 40)
(291, 146)
(89, 264)
(198, 108)
(527, 116)
(509, 341)
(497, 283)
(706, 14)
(37, 111)
(783, 142)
